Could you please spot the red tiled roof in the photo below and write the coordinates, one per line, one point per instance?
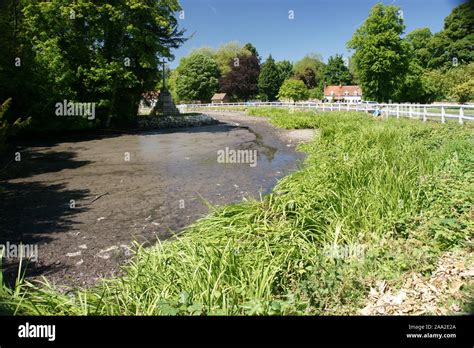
(339, 91)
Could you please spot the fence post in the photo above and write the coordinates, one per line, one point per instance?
(424, 113)
(339, 106)
(443, 115)
(347, 106)
(398, 110)
(410, 111)
(461, 115)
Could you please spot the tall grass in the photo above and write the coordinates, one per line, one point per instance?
(402, 189)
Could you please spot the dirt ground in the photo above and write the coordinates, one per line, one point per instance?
(84, 201)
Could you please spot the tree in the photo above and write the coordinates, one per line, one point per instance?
(171, 84)
(456, 40)
(443, 83)
(228, 52)
(285, 69)
(294, 90)
(381, 56)
(419, 40)
(315, 93)
(269, 80)
(414, 88)
(352, 71)
(7, 129)
(312, 61)
(106, 53)
(307, 76)
(198, 78)
(242, 81)
(251, 48)
(336, 72)
(205, 50)
(464, 92)
(20, 80)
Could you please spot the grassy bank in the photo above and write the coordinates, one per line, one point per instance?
(399, 192)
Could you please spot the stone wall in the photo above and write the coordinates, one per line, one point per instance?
(159, 122)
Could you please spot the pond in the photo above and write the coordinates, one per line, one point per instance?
(83, 202)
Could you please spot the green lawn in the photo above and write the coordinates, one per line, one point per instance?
(401, 189)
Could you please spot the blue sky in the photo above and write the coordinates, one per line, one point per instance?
(319, 26)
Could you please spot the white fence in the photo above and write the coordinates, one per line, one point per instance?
(423, 112)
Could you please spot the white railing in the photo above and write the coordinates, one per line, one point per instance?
(442, 112)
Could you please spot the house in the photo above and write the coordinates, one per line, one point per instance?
(220, 98)
(346, 94)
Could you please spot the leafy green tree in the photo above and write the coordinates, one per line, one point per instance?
(241, 82)
(227, 53)
(381, 56)
(308, 77)
(294, 90)
(315, 93)
(7, 129)
(286, 70)
(269, 80)
(20, 79)
(312, 61)
(456, 40)
(464, 92)
(414, 88)
(442, 83)
(205, 50)
(419, 40)
(435, 82)
(352, 71)
(251, 48)
(198, 78)
(171, 83)
(106, 53)
(336, 72)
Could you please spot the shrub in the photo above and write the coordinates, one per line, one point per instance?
(294, 90)
(6, 129)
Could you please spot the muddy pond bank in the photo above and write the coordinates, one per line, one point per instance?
(83, 202)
